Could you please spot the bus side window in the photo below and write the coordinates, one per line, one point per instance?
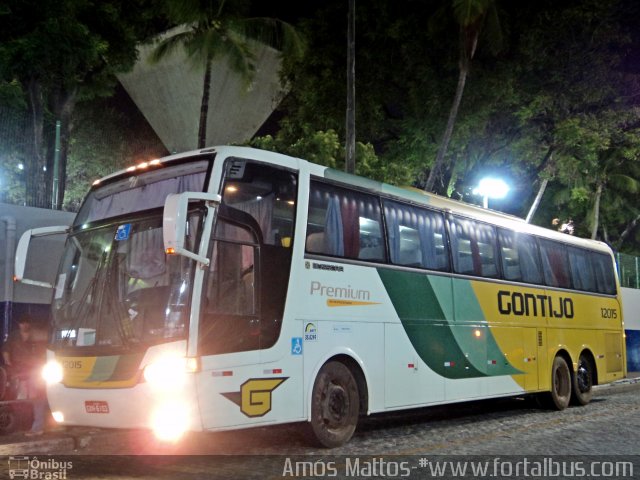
(581, 272)
(519, 257)
(554, 263)
(416, 236)
(474, 247)
(344, 223)
(604, 274)
(267, 194)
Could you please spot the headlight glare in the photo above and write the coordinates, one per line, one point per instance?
(170, 420)
(52, 372)
(169, 372)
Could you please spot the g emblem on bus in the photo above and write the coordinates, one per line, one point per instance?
(254, 397)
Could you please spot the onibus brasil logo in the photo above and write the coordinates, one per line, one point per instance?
(37, 469)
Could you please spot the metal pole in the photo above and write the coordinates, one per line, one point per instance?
(350, 146)
(637, 276)
(56, 162)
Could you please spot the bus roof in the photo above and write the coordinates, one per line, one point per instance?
(406, 193)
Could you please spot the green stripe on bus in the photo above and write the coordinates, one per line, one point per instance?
(453, 351)
(469, 315)
(103, 368)
(340, 176)
(115, 368)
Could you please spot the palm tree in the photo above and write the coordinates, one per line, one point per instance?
(213, 29)
(619, 182)
(472, 17)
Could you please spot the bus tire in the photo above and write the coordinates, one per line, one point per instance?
(583, 381)
(8, 420)
(560, 394)
(335, 405)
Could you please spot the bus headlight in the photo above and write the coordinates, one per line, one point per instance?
(58, 416)
(52, 372)
(169, 372)
(170, 420)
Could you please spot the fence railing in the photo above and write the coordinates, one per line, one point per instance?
(628, 270)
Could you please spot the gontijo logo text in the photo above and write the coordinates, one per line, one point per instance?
(341, 296)
(534, 305)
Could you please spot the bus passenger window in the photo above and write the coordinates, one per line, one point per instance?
(344, 223)
(474, 247)
(581, 272)
(604, 273)
(519, 257)
(416, 236)
(554, 263)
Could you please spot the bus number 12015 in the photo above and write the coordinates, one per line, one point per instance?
(608, 313)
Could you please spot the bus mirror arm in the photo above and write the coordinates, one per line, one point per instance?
(22, 251)
(174, 222)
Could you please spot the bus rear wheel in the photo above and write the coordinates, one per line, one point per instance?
(583, 382)
(335, 405)
(560, 394)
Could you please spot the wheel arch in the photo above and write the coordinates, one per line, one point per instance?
(355, 364)
(584, 349)
(564, 353)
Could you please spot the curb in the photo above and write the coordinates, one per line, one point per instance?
(68, 442)
(623, 381)
(626, 381)
(40, 446)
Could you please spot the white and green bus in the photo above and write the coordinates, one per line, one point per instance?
(231, 287)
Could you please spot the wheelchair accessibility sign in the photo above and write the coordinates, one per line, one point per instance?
(123, 232)
(296, 345)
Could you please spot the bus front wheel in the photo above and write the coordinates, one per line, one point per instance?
(560, 394)
(335, 405)
(583, 381)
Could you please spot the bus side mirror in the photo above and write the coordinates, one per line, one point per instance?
(23, 249)
(174, 222)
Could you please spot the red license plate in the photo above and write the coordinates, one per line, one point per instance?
(96, 406)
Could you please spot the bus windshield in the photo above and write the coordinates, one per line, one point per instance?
(143, 191)
(118, 288)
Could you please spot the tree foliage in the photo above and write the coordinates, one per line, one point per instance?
(60, 53)
(106, 139)
(558, 104)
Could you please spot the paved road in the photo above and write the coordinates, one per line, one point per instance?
(610, 425)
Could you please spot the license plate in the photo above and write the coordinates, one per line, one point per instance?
(96, 406)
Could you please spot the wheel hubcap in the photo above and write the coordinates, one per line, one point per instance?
(584, 379)
(335, 404)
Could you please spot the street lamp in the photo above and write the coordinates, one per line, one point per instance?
(491, 188)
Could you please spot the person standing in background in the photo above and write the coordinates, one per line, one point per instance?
(16, 355)
(38, 339)
(24, 355)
